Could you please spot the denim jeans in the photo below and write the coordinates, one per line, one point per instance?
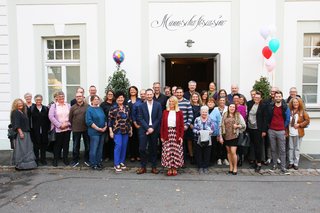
(294, 149)
(120, 148)
(96, 147)
(76, 136)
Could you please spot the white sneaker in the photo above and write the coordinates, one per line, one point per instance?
(278, 161)
(226, 162)
(219, 163)
(118, 168)
(123, 166)
(268, 161)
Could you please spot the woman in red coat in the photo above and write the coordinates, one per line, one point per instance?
(172, 129)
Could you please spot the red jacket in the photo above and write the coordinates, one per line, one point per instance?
(179, 125)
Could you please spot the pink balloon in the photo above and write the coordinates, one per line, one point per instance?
(270, 64)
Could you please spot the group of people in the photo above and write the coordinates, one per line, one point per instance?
(202, 127)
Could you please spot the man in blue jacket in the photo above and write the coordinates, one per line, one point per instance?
(278, 117)
(149, 117)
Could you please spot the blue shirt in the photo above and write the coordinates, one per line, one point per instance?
(95, 115)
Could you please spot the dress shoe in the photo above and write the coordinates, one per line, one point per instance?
(44, 162)
(141, 170)
(155, 171)
(55, 163)
(290, 166)
(258, 169)
(66, 162)
(295, 167)
(234, 173)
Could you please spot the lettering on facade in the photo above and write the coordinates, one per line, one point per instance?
(170, 23)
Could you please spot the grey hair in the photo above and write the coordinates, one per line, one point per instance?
(190, 82)
(27, 94)
(204, 108)
(37, 96)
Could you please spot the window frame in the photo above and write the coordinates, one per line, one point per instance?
(63, 63)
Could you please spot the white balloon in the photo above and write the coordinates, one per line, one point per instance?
(265, 32)
(270, 64)
(272, 30)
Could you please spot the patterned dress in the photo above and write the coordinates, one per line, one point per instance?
(172, 150)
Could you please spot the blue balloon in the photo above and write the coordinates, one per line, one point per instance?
(274, 45)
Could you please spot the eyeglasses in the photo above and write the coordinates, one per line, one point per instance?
(79, 96)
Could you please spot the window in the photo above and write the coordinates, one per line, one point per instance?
(62, 65)
(311, 69)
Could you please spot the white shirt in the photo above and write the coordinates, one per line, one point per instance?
(172, 118)
(150, 112)
(292, 130)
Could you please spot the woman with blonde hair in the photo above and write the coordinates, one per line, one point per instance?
(23, 155)
(299, 119)
(171, 133)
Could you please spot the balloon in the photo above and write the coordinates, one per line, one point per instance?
(118, 56)
(270, 64)
(272, 30)
(265, 32)
(274, 45)
(266, 52)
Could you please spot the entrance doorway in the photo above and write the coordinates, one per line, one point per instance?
(179, 69)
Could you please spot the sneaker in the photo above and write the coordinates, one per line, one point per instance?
(219, 162)
(278, 161)
(205, 171)
(118, 169)
(87, 163)
(267, 162)
(274, 168)
(295, 167)
(96, 168)
(200, 171)
(74, 164)
(285, 172)
(226, 162)
(123, 166)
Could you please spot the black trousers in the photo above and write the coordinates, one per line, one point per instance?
(40, 143)
(202, 155)
(134, 143)
(257, 144)
(76, 136)
(219, 150)
(62, 142)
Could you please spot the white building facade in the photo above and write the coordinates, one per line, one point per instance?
(62, 44)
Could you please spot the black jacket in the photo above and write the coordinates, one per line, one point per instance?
(40, 120)
(260, 116)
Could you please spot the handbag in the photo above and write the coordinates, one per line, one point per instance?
(204, 138)
(12, 135)
(244, 139)
(52, 135)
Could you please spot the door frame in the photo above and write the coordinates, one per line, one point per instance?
(214, 56)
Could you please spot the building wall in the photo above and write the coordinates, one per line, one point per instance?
(105, 26)
(5, 91)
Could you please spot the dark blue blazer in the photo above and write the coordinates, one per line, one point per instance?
(156, 115)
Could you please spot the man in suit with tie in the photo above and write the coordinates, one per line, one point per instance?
(149, 117)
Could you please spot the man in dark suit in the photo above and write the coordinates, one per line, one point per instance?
(149, 117)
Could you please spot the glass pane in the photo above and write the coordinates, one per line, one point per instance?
(73, 75)
(309, 93)
(67, 54)
(71, 91)
(316, 40)
(307, 40)
(67, 44)
(50, 55)
(307, 52)
(310, 73)
(316, 52)
(76, 44)
(58, 44)
(50, 44)
(54, 75)
(52, 90)
(59, 55)
(76, 54)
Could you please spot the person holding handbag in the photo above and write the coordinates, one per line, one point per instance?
(299, 119)
(232, 124)
(171, 131)
(203, 129)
